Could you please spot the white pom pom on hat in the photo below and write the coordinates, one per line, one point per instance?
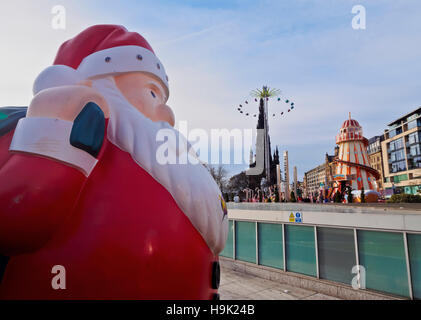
(56, 76)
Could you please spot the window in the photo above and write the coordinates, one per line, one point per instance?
(396, 144)
(399, 178)
(245, 241)
(395, 132)
(270, 245)
(414, 138)
(336, 254)
(300, 249)
(228, 250)
(399, 144)
(414, 247)
(398, 166)
(397, 155)
(415, 150)
(415, 162)
(414, 123)
(383, 256)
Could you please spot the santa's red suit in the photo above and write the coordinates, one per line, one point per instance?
(123, 225)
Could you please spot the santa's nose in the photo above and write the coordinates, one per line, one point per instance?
(164, 113)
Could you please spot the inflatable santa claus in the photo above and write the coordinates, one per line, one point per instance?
(88, 210)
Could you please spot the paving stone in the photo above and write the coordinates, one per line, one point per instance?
(320, 296)
(241, 286)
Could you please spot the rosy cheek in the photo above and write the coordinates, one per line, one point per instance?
(143, 103)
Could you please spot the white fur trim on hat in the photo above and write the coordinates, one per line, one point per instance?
(56, 76)
(123, 59)
(105, 62)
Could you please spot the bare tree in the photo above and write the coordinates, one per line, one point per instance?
(220, 175)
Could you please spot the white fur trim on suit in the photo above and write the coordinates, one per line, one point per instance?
(191, 185)
(51, 138)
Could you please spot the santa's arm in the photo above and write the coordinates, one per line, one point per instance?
(40, 183)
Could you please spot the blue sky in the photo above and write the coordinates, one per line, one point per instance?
(216, 52)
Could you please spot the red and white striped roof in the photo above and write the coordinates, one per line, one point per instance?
(350, 123)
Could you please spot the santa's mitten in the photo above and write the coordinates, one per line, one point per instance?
(88, 129)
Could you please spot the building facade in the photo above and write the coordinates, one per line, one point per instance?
(315, 179)
(375, 157)
(320, 178)
(401, 151)
(286, 175)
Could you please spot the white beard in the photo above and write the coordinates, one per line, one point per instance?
(191, 185)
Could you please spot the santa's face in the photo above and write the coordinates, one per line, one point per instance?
(146, 94)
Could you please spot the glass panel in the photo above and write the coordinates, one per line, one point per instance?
(415, 162)
(228, 250)
(413, 138)
(245, 241)
(300, 249)
(398, 166)
(383, 256)
(336, 254)
(412, 124)
(396, 144)
(414, 248)
(415, 150)
(270, 245)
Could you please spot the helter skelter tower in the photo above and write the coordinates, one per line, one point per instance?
(352, 165)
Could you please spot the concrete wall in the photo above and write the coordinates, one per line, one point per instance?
(363, 217)
(394, 218)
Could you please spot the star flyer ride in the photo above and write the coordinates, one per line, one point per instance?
(262, 96)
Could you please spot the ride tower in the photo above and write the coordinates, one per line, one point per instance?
(352, 164)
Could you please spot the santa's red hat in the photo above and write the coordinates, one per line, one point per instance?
(101, 50)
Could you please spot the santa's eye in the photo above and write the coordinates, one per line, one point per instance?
(153, 94)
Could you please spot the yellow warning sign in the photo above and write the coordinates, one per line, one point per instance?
(291, 217)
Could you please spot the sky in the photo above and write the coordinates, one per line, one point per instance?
(215, 52)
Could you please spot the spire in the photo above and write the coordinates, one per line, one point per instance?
(251, 156)
(350, 115)
(261, 119)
